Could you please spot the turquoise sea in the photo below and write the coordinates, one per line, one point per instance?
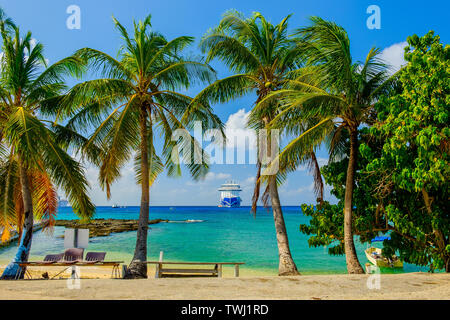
(221, 234)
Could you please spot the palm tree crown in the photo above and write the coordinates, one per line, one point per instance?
(261, 56)
(137, 98)
(330, 95)
(34, 161)
(28, 140)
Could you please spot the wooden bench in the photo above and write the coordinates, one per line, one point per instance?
(166, 269)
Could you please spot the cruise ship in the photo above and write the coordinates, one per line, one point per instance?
(229, 195)
(62, 202)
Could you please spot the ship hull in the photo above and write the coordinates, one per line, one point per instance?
(234, 202)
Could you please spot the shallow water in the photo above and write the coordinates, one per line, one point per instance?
(216, 234)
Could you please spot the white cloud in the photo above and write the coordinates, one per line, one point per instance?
(33, 43)
(237, 132)
(178, 191)
(394, 56)
(124, 191)
(304, 190)
(250, 180)
(309, 188)
(210, 176)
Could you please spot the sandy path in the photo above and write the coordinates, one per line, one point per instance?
(398, 286)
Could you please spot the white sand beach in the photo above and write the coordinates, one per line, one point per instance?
(312, 287)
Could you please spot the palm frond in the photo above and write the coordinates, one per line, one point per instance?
(45, 198)
(299, 150)
(155, 165)
(120, 141)
(103, 64)
(8, 180)
(224, 90)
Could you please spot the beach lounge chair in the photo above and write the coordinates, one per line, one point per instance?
(70, 257)
(49, 259)
(73, 255)
(95, 257)
(53, 258)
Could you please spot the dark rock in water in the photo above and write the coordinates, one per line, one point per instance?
(104, 227)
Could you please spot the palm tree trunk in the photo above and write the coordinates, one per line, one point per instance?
(287, 265)
(137, 269)
(257, 188)
(439, 235)
(23, 252)
(353, 265)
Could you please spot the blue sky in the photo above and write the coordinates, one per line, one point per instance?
(47, 20)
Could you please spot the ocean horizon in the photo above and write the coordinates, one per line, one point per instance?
(212, 234)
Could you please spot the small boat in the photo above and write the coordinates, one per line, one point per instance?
(375, 256)
(115, 206)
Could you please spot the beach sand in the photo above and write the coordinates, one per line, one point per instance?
(315, 287)
(88, 272)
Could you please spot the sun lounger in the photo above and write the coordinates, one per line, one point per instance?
(74, 257)
(49, 259)
(52, 258)
(95, 257)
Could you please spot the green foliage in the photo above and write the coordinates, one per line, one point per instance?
(27, 139)
(261, 56)
(330, 93)
(326, 227)
(137, 97)
(327, 220)
(327, 101)
(402, 176)
(413, 168)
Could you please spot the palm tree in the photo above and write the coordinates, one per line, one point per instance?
(262, 58)
(331, 94)
(33, 152)
(136, 99)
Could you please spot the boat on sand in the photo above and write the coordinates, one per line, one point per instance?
(376, 257)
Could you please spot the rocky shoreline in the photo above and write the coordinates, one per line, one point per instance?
(14, 235)
(104, 227)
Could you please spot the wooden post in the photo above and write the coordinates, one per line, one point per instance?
(219, 271)
(159, 265)
(236, 270)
